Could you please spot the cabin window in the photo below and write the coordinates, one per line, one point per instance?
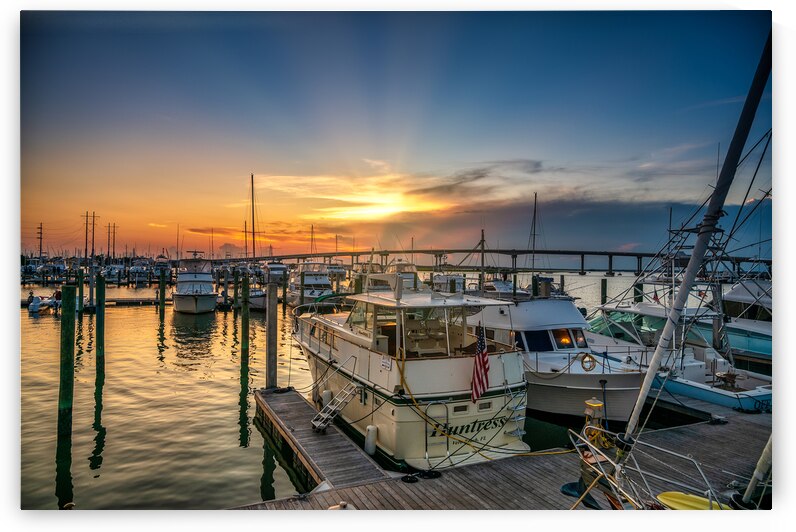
(580, 340)
(490, 334)
(736, 309)
(538, 341)
(484, 406)
(460, 409)
(563, 339)
(361, 316)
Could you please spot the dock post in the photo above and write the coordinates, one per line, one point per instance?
(284, 290)
(301, 290)
(638, 292)
(452, 286)
(561, 283)
(225, 291)
(610, 271)
(358, 284)
(235, 281)
(244, 317)
(582, 264)
(66, 389)
(80, 291)
(638, 265)
(271, 337)
(100, 316)
(162, 291)
(91, 285)
(514, 276)
(603, 290)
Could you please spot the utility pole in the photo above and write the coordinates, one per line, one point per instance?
(40, 235)
(253, 253)
(93, 227)
(85, 251)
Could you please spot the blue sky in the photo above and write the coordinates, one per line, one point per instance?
(609, 116)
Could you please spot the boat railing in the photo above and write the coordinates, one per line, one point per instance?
(627, 480)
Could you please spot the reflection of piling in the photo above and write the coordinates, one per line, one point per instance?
(100, 316)
(243, 402)
(603, 291)
(270, 336)
(225, 293)
(162, 292)
(244, 319)
(63, 452)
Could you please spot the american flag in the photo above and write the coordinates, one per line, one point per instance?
(480, 381)
(655, 297)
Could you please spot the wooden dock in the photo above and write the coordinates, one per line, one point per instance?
(122, 301)
(332, 458)
(726, 452)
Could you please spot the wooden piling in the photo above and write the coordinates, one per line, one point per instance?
(271, 334)
(66, 389)
(79, 291)
(236, 281)
(244, 317)
(561, 283)
(100, 316)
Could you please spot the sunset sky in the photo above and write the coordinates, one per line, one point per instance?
(381, 127)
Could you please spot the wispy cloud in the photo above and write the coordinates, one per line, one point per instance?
(153, 224)
(713, 103)
(378, 165)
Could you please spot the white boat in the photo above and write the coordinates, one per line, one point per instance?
(501, 289)
(113, 273)
(446, 282)
(407, 271)
(316, 283)
(276, 272)
(194, 293)
(405, 360)
(139, 271)
(562, 370)
(161, 264)
(257, 299)
(337, 271)
(692, 367)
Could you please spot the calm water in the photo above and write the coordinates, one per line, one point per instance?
(169, 422)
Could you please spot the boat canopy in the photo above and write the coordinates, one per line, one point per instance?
(426, 300)
(750, 292)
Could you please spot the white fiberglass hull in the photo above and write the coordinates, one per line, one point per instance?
(405, 437)
(566, 393)
(194, 303)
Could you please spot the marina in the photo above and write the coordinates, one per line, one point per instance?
(327, 292)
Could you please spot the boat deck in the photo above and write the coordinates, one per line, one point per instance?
(726, 451)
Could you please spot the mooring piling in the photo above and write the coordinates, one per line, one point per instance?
(271, 336)
(244, 319)
(100, 316)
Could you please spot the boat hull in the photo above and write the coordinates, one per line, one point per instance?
(566, 393)
(404, 438)
(758, 399)
(194, 303)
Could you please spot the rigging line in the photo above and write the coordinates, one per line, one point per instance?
(751, 182)
(748, 153)
(759, 202)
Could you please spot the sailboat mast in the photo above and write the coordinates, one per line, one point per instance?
(706, 230)
(533, 237)
(245, 241)
(483, 271)
(253, 253)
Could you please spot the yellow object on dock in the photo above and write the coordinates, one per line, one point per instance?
(675, 500)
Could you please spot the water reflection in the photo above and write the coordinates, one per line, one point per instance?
(162, 338)
(193, 339)
(267, 492)
(243, 402)
(63, 459)
(79, 343)
(95, 460)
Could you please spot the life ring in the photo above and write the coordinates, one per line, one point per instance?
(587, 362)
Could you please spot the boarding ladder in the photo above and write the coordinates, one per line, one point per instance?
(327, 414)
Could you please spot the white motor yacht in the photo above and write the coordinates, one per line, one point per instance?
(194, 293)
(316, 283)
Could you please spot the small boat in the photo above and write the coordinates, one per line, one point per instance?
(194, 293)
(316, 283)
